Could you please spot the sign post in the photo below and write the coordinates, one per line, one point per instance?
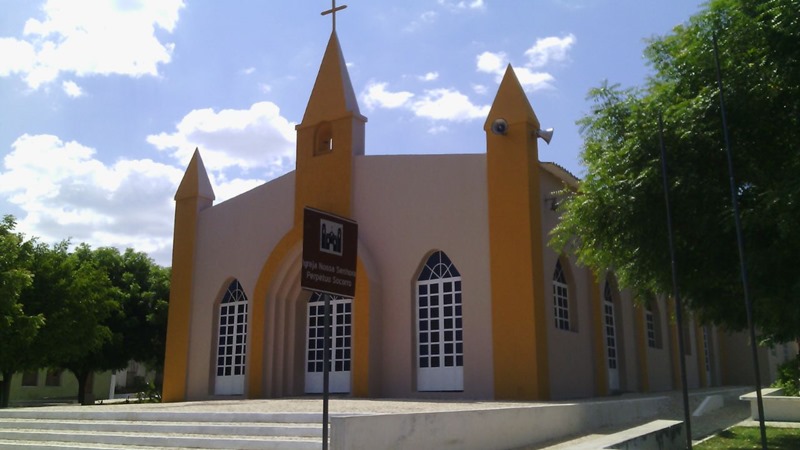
(330, 246)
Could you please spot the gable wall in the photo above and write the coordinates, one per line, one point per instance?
(407, 207)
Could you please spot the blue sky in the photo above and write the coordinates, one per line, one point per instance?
(103, 102)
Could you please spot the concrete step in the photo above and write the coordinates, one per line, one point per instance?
(156, 416)
(33, 445)
(211, 428)
(111, 430)
(161, 440)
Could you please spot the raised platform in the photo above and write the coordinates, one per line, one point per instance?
(355, 423)
(777, 407)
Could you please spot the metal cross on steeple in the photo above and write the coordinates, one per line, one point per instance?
(333, 11)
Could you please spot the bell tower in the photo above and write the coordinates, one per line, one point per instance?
(330, 135)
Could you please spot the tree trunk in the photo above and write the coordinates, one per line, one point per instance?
(5, 389)
(85, 396)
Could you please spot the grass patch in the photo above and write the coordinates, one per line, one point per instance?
(746, 438)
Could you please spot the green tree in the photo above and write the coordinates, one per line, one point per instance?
(617, 218)
(130, 297)
(76, 298)
(139, 326)
(17, 329)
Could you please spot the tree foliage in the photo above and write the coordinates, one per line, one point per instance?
(101, 309)
(17, 328)
(617, 218)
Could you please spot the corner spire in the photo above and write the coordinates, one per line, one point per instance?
(195, 182)
(332, 96)
(511, 103)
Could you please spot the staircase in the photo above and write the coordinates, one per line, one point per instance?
(29, 428)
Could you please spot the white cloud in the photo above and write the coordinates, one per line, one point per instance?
(492, 62)
(264, 88)
(258, 137)
(430, 76)
(548, 50)
(480, 89)
(91, 37)
(249, 71)
(428, 16)
(447, 104)
(376, 95)
(424, 18)
(545, 51)
(434, 104)
(533, 81)
(472, 4)
(18, 56)
(65, 192)
(72, 89)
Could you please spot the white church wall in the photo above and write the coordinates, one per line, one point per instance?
(234, 239)
(408, 206)
(629, 353)
(570, 352)
(659, 362)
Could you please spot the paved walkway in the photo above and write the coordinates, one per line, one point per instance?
(301, 404)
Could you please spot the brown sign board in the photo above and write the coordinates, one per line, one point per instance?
(330, 244)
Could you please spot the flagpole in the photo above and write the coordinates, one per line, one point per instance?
(326, 360)
(687, 419)
(740, 241)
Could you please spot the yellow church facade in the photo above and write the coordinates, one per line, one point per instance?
(457, 294)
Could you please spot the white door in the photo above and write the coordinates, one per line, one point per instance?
(611, 339)
(340, 349)
(440, 333)
(231, 342)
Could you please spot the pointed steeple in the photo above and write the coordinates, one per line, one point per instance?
(333, 95)
(515, 247)
(511, 103)
(195, 182)
(193, 196)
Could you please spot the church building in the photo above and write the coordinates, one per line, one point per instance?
(457, 294)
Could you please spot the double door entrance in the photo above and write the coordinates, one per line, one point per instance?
(340, 344)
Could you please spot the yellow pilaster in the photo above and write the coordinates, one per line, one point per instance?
(700, 339)
(361, 333)
(641, 348)
(194, 194)
(515, 239)
(673, 346)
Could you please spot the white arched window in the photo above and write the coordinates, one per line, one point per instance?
(440, 332)
(610, 333)
(652, 318)
(231, 341)
(560, 298)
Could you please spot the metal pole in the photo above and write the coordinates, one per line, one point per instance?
(748, 303)
(678, 307)
(326, 359)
